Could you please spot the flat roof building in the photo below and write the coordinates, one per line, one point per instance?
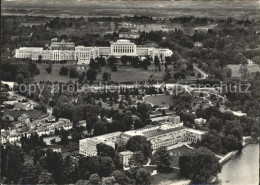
(62, 50)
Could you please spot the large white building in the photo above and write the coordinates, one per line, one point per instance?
(88, 146)
(164, 134)
(67, 51)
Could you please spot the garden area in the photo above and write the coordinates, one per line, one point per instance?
(175, 154)
(160, 100)
(131, 74)
(236, 69)
(54, 75)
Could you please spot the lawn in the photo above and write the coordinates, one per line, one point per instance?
(235, 69)
(54, 76)
(160, 99)
(129, 73)
(123, 74)
(175, 154)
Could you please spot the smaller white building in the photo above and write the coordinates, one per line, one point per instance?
(200, 121)
(124, 158)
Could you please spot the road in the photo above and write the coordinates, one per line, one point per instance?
(204, 75)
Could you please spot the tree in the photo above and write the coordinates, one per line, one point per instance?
(64, 71)
(100, 129)
(49, 68)
(113, 68)
(215, 123)
(11, 163)
(240, 59)
(105, 166)
(19, 78)
(94, 179)
(120, 177)
(121, 104)
(137, 160)
(156, 61)
(233, 127)
(230, 143)
(212, 141)
(208, 166)
(143, 177)
(53, 163)
(108, 181)
(139, 143)
(45, 178)
(124, 59)
(104, 150)
(93, 64)
(101, 61)
(163, 160)
(143, 111)
(91, 74)
(106, 76)
(111, 61)
(64, 138)
(73, 73)
(29, 175)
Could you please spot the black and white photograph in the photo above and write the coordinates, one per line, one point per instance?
(128, 92)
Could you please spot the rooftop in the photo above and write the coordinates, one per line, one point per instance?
(126, 153)
(160, 132)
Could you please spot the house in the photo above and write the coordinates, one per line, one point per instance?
(67, 126)
(48, 140)
(23, 106)
(125, 157)
(4, 136)
(14, 138)
(200, 121)
(82, 123)
(51, 119)
(24, 118)
(7, 118)
(33, 114)
(198, 44)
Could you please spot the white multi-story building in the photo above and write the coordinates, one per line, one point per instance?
(124, 158)
(165, 134)
(88, 146)
(67, 51)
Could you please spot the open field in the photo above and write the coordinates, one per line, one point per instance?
(159, 99)
(220, 9)
(235, 69)
(123, 74)
(54, 76)
(129, 73)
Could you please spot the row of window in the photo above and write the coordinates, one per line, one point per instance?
(123, 49)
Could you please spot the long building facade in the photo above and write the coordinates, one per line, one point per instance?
(59, 51)
(164, 134)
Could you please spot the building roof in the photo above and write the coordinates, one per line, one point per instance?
(160, 132)
(21, 105)
(126, 153)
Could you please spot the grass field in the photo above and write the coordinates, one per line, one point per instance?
(54, 76)
(159, 99)
(123, 74)
(129, 73)
(235, 69)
